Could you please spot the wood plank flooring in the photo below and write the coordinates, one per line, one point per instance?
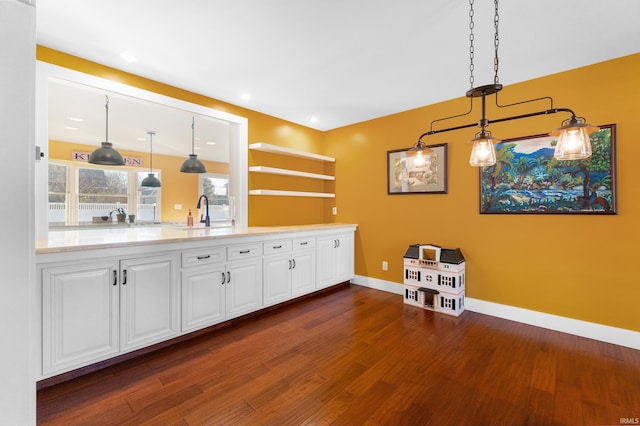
(360, 356)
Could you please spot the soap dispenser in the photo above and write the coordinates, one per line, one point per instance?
(190, 220)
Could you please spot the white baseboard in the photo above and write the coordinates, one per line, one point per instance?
(590, 330)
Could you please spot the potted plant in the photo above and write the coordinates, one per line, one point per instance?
(121, 215)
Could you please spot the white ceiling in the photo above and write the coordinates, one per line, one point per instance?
(342, 61)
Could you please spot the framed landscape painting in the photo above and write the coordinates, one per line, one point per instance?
(528, 179)
(405, 175)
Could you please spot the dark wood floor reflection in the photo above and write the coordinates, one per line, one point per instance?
(359, 356)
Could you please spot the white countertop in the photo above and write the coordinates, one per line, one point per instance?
(83, 239)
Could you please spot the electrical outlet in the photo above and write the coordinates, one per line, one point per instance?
(335, 211)
(177, 206)
(385, 265)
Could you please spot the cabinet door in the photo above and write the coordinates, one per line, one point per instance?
(243, 288)
(344, 258)
(303, 274)
(326, 267)
(79, 315)
(149, 300)
(203, 297)
(277, 278)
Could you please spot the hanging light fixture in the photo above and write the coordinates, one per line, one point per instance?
(106, 155)
(151, 181)
(573, 136)
(192, 164)
(419, 152)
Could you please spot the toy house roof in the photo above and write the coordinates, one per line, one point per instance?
(453, 256)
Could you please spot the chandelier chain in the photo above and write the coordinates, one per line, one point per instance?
(471, 47)
(496, 42)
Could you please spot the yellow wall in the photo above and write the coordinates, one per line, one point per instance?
(577, 266)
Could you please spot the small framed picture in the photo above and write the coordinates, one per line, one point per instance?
(413, 174)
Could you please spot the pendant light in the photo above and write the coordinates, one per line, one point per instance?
(573, 136)
(106, 155)
(192, 164)
(151, 181)
(419, 152)
(573, 139)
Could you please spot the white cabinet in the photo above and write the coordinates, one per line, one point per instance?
(288, 269)
(214, 289)
(98, 304)
(97, 310)
(203, 279)
(79, 314)
(149, 300)
(335, 259)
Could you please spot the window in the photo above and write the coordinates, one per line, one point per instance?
(82, 194)
(221, 204)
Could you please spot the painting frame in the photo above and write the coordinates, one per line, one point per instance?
(405, 177)
(527, 179)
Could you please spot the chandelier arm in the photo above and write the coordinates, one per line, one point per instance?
(431, 131)
(500, 120)
(549, 98)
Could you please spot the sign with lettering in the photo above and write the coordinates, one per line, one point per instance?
(84, 156)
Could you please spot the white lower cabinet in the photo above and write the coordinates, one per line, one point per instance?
(98, 306)
(335, 262)
(214, 290)
(79, 314)
(288, 269)
(149, 300)
(97, 310)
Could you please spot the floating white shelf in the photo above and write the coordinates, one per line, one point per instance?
(275, 149)
(287, 172)
(291, 193)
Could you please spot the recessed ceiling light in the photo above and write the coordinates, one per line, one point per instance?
(70, 128)
(141, 139)
(211, 143)
(313, 119)
(129, 57)
(196, 147)
(246, 96)
(75, 119)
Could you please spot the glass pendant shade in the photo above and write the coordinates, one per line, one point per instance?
(192, 164)
(573, 140)
(419, 153)
(483, 153)
(106, 155)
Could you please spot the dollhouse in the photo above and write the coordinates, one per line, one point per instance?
(434, 278)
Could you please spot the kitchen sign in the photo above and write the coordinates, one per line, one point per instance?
(84, 156)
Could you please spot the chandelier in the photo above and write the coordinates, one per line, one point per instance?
(573, 135)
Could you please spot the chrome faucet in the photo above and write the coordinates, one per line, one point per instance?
(206, 221)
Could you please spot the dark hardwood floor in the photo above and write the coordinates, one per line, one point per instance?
(360, 356)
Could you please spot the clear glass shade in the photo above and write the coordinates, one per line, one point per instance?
(483, 152)
(573, 144)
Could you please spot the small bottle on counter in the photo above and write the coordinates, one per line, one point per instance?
(190, 220)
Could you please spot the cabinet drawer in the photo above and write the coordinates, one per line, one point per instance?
(276, 246)
(203, 256)
(304, 243)
(243, 251)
